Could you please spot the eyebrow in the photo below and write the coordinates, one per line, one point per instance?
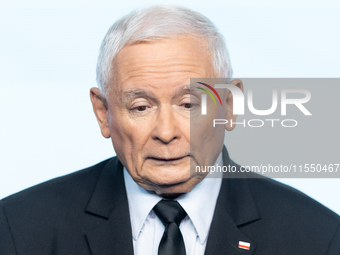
(134, 93)
(187, 89)
(131, 94)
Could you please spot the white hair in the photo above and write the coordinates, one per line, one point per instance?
(156, 23)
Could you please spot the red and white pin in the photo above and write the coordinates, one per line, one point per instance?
(243, 245)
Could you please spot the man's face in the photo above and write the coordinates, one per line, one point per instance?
(148, 113)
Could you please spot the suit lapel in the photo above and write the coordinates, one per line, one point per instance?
(109, 201)
(235, 207)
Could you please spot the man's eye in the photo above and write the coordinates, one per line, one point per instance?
(188, 105)
(141, 108)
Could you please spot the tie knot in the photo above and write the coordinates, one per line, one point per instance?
(169, 211)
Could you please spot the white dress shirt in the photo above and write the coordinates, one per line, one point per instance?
(147, 229)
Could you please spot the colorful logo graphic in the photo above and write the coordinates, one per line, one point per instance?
(208, 92)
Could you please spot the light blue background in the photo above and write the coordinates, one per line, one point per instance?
(48, 53)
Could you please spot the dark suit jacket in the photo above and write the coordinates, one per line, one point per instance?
(87, 213)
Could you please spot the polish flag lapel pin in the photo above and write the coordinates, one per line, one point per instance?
(243, 245)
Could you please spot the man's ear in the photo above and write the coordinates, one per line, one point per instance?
(100, 110)
(229, 105)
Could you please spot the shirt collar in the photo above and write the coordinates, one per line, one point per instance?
(199, 203)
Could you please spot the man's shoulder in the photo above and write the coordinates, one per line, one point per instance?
(275, 211)
(270, 193)
(75, 187)
(278, 196)
(57, 211)
(290, 212)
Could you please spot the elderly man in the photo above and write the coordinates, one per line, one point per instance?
(146, 200)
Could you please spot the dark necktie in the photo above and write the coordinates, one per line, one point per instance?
(171, 214)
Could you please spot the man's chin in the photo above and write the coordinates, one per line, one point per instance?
(168, 187)
(167, 173)
(169, 181)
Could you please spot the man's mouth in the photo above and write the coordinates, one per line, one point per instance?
(168, 159)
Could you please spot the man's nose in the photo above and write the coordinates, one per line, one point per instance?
(166, 126)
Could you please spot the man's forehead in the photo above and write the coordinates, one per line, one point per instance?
(163, 64)
(177, 49)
